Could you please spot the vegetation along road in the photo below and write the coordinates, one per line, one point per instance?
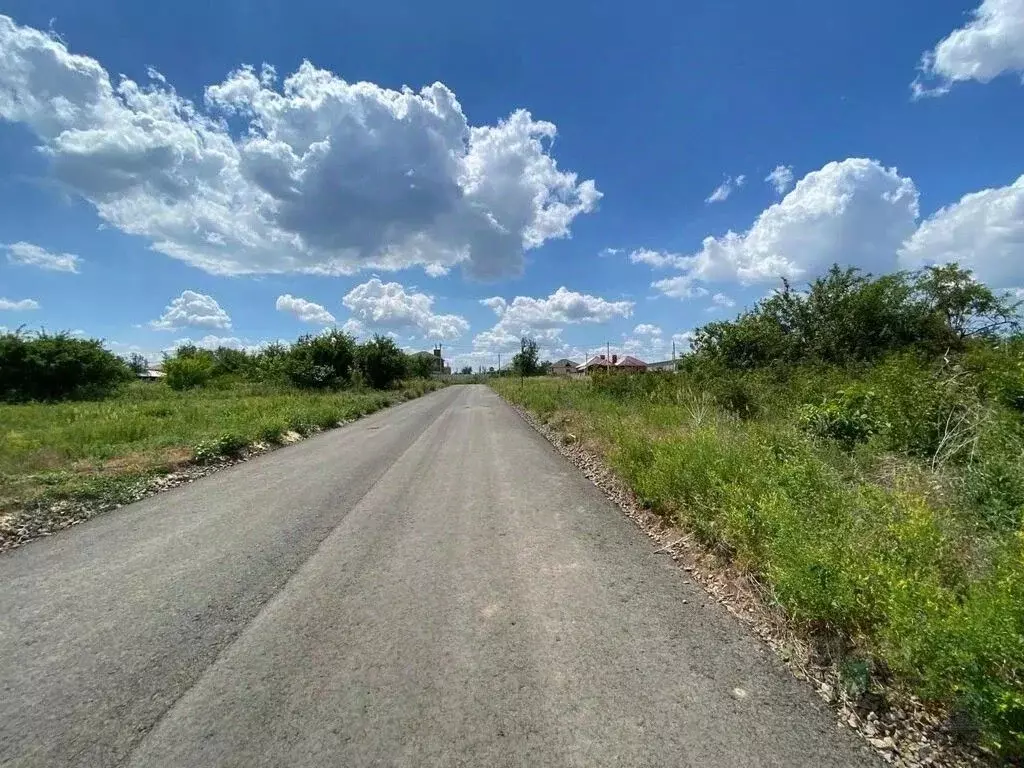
(431, 585)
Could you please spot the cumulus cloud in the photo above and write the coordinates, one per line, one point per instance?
(991, 44)
(680, 287)
(22, 305)
(29, 255)
(330, 177)
(543, 319)
(854, 212)
(721, 301)
(378, 307)
(646, 329)
(983, 231)
(211, 341)
(191, 309)
(658, 259)
(304, 310)
(726, 188)
(781, 178)
(654, 348)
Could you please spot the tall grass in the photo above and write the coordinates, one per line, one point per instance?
(61, 448)
(881, 533)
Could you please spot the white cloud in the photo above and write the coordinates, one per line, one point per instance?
(658, 259)
(781, 178)
(654, 348)
(680, 287)
(30, 255)
(304, 310)
(605, 252)
(726, 188)
(991, 44)
(983, 231)
(646, 329)
(854, 212)
(192, 309)
(563, 307)
(377, 307)
(721, 301)
(331, 176)
(211, 341)
(18, 306)
(544, 319)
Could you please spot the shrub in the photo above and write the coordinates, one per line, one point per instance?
(227, 446)
(321, 362)
(188, 372)
(382, 363)
(847, 418)
(49, 367)
(271, 434)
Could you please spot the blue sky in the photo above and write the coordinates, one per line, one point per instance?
(559, 181)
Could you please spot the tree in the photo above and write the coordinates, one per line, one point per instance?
(43, 366)
(322, 361)
(188, 371)
(382, 362)
(137, 363)
(525, 362)
(842, 317)
(227, 360)
(467, 370)
(966, 307)
(422, 365)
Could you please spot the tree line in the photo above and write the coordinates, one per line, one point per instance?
(57, 366)
(847, 316)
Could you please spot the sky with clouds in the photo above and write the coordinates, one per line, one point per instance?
(589, 175)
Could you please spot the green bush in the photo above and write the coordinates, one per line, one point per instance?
(225, 446)
(272, 434)
(324, 361)
(848, 418)
(188, 372)
(382, 363)
(48, 367)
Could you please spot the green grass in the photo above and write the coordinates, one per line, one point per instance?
(97, 449)
(914, 555)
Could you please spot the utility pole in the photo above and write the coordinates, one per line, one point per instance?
(499, 362)
(673, 351)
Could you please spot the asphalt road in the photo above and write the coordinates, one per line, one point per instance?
(432, 585)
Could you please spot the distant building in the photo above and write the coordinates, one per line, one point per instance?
(627, 364)
(150, 374)
(564, 367)
(664, 365)
(596, 363)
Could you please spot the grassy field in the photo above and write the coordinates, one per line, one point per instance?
(95, 449)
(906, 541)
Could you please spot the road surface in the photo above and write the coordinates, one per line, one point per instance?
(431, 586)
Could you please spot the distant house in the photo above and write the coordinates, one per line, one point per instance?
(563, 367)
(596, 363)
(663, 365)
(150, 374)
(629, 364)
